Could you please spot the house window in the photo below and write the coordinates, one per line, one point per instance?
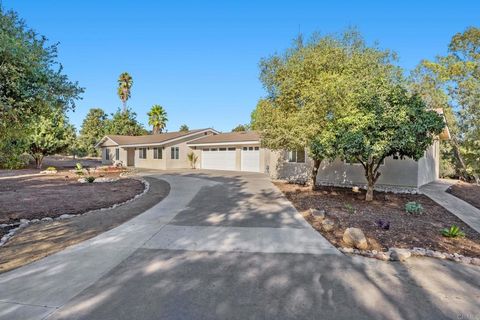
(107, 154)
(142, 153)
(231, 149)
(296, 156)
(117, 153)
(157, 153)
(174, 153)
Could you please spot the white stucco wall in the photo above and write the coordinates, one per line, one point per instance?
(403, 173)
(429, 165)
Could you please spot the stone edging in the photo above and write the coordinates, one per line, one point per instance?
(398, 254)
(25, 222)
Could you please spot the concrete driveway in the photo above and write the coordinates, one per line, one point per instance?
(228, 245)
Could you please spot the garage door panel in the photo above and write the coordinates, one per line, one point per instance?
(250, 159)
(218, 160)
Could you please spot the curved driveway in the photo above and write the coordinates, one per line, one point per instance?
(228, 245)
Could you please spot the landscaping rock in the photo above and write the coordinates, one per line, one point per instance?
(355, 237)
(397, 254)
(100, 180)
(47, 219)
(346, 250)
(82, 180)
(318, 214)
(466, 260)
(439, 255)
(327, 225)
(24, 221)
(475, 261)
(48, 172)
(65, 216)
(384, 256)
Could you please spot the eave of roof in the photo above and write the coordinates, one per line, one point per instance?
(147, 140)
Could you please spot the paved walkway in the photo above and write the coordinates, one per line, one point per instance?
(229, 245)
(465, 211)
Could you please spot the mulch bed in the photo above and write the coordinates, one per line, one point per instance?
(468, 192)
(42, 239)
(349, 209)
(51, 196)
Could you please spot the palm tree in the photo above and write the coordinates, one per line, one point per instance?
(125, 83)
(157, 117)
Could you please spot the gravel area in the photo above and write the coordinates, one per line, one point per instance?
(348, 209)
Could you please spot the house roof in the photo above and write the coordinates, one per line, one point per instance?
(122, 140)
(230, 137)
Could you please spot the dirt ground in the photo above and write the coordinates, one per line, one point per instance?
(468, 192)
(42, 239)
(51, 196)
(59, 162)
(349, 209)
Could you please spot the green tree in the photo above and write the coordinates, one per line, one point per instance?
(124, 123)
(241, 127)
(395, 123)
(157, 118)
(52, 134)
(456, 78)
(125, 83)
(183, 128)
(315, 82)
(92, 130)
(31, 81)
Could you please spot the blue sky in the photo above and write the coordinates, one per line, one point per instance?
(199, 59)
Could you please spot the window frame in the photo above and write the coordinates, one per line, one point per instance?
(141, 154)
(117, 154)
(174, 153)
(107, 154)
(158, 153)
(293, 156)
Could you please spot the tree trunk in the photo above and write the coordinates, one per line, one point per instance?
(316, 165)
(369, 195)
(38, 161)
(461, 163)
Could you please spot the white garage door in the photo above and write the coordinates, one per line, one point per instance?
(251, 159)
(218, 158)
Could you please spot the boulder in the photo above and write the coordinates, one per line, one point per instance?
(46, 219)
(318, 214)
(65, 216)
(475, 261)
(397, 254)
(384, 256)
(354, 237)
(327, 225)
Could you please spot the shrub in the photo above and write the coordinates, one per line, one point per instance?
(51, 169)
(350, 208)
(90, 179)
(383, 224)
(453, 232)
(413, 207)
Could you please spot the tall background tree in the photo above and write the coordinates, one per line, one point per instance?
(124, 123)
(125, 83)
(32, 82)
(241, 127)
(93, 129)
(183, 128)
(157, 118)
(452, 82)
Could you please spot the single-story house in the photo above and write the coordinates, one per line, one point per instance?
(242, 151)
